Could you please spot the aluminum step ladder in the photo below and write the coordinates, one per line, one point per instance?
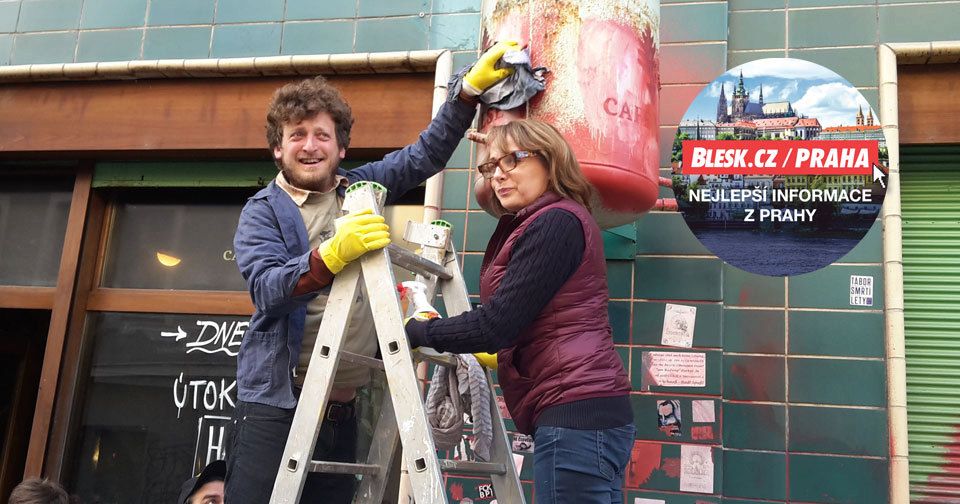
(403, 413)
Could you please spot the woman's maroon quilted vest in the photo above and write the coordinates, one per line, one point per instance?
(567, 353)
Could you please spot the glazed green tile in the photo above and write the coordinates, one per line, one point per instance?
(753, 378)
(737, 58)
(328, 9)
(454, 31)
(870, 248)
(712, 373)
(392, 34)
(847, 480)
(448, 6)
(693, 23)
(43, 48)
(833, 27)
(463, 58)
(109, 45)
(480, 227)
(827, 3)
(666, 475)
(6, 47)
(232, 41)
(113, 14)
(619, 278)
(175, 12)
(844, 334)
(754, 426)
(830, 287)
(471, 272)
(457, 220)
(377, 8)
(675, 100)
(179, 42)
(742, 288)
(619, 315)
(858, 65)
(736, 5)
(756, 30)
(830, 381)
(841, 431)
(620, 242)
(755, 475)
(9, 14)
(44, 15)
(648, 324)
(666, 233)
(631, 496)
(677, 278)
(754, 331)
(624, 354)
(249, 11)
(645, 415)
(323, 37)
(872, 96)
(931, 21)
(461, 157)
(692, 63)
(455, 189)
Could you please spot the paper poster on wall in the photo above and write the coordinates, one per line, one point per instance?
(696, 469)
(703, 411)
(669, 418)
(678, 323)
(861, 290)
(674, 369)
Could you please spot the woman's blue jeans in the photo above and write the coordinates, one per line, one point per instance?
(580, 466)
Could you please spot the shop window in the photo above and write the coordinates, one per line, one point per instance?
(33, 220)
(174, 240)
(155, 404)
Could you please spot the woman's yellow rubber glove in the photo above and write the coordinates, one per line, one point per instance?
(357, 234)
(484, 72)
(487, 360)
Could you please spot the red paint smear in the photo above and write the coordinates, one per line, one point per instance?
(702, 433)
(941, 486)
(671, 467)
(644, 458)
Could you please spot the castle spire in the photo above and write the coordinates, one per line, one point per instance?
(860, 116)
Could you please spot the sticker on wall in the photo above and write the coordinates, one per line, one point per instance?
(861, 290)
(678, 323)
(522, 443)
(643, 500)
(779, 166)
(669, 418)
(696, 469)
(518, 462)
(673, 369)
(704, 411)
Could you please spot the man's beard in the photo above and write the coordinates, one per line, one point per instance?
(315, 183)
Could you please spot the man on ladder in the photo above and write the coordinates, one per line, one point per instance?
(288, 251)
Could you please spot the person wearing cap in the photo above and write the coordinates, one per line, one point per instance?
(206, 487)
(289, 251)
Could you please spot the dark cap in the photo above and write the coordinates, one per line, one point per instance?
(215, 471)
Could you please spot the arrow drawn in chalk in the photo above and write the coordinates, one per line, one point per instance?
(180, 334)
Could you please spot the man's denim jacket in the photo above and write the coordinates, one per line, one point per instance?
(273, 252)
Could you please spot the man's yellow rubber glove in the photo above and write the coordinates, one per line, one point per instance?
(484, 72)
(358, 234)
(487, 360)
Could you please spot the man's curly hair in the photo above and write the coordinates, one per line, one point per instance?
(297, 101)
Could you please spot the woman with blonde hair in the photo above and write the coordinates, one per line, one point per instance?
(543, 289)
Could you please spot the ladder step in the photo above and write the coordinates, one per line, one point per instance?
(325, 466)
(362, 360)
(474, 468)
(413, 262)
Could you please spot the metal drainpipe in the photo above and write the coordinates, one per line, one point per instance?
(434, 189)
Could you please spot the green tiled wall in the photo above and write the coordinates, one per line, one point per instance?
(796, 374)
